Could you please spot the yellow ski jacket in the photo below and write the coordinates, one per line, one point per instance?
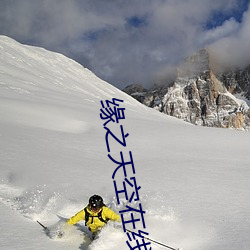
(94, 223)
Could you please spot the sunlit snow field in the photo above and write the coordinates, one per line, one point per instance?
(195, 181)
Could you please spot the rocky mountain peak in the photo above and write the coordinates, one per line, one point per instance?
(200, 96)
(196, 64)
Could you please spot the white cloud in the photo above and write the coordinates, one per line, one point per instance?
(228, 28)
(97, 32)
(233, 50)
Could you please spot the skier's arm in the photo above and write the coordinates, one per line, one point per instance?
(77, 217)
(110, 214)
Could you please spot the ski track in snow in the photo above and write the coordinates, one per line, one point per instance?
(36, 205)
(32, 204)
(40, 204)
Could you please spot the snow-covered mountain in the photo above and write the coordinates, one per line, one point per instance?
(201, 95)
(194, 180)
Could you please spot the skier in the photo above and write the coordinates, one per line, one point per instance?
(95, 214)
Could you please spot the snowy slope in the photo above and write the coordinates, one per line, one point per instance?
(195, 181)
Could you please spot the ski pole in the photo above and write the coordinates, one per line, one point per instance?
(45, 228)
(157, 242)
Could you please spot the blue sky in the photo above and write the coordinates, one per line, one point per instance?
(131, 41)
(218, 17)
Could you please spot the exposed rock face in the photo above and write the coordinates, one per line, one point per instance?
(237, 81)
(199, 97)
(137, 91)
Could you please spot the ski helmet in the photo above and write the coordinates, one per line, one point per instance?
(95, 202)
